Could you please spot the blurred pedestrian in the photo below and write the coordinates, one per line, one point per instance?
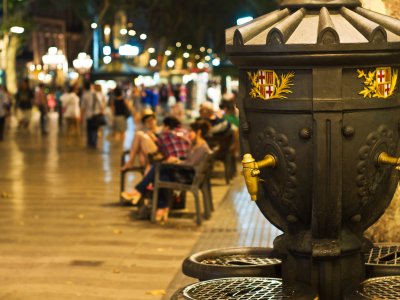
(41, 104)
(136, 99)
(121, 110)
(163, 98)
(4, 110)
(51, 100)
(58, 93)
(91, 107)
(24, 99)
(71, 114)
(147, 97)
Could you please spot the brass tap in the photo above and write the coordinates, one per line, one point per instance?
(386, 159)
(251, 171)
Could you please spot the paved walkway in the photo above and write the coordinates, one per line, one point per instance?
(64, 236)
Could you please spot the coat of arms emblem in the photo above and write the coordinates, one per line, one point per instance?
(380, 83)
(267, 85)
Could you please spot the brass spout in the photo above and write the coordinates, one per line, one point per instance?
(251, 171)
(386, 159)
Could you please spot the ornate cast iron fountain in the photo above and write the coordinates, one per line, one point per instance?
(319, 120)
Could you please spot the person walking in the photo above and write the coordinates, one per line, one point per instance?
(71, 114)
(91, 107)
(120, 108)
(24, 98)
(4, 110)
(41, 104)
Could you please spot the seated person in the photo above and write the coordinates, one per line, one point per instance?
(173, 140)
(219, 126)
(199, 149)
(144, 142)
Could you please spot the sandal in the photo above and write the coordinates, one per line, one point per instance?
(132, 197)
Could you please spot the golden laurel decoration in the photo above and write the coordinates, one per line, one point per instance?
(371, 89)
(281, 86)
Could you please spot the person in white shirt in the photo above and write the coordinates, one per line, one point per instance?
(71, 114)
(91, 106)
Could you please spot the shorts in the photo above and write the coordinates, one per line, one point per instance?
(120, 123)
(24, 114)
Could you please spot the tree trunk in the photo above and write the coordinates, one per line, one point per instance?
(11, 71)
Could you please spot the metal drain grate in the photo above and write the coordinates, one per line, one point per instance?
(241, 260)
(244, 288)
(387, 288)
(384, 255)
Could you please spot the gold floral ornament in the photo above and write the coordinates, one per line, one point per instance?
(380, 83)
(267, 85)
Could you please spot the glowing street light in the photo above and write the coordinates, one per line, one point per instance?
(186, 55)
(170, 64)
(107, 59)
(143, 36)
(93, 25)
(132, 32)
(107, 50)
(83, 63)
(168, 52)
(178, 44)
(107, 30)
(243, 20)
(216, 62)
(153, 62)
(123, 31)
(128, 50)
(53, 57)
(17, 29)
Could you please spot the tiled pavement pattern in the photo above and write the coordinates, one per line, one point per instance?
(63, 235)
(236, 223)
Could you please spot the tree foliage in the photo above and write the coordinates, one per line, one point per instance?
(199, 22)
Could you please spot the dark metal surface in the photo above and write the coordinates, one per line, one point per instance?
(314, 4)
(387, 288)
(232, 262)
(328, 186)
(383, 260)
(244, 289)
(241, 260)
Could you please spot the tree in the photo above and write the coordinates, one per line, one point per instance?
(14, 13)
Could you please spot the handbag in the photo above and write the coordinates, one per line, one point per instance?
(97, 119)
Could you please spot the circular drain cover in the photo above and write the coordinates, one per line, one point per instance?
(387, 288)
(383, 260)
(241, 260)
(243, 288)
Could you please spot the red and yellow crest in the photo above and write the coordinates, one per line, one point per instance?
(380, 83)
(267, 85)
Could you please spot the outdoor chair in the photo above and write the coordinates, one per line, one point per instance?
(200, 183)
(124, 172)
(225, 153)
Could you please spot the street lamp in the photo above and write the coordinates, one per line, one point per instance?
(17, 29)
(55, 60)
(83, 63)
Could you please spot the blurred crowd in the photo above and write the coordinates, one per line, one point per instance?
(90, 108)
(166, 124)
